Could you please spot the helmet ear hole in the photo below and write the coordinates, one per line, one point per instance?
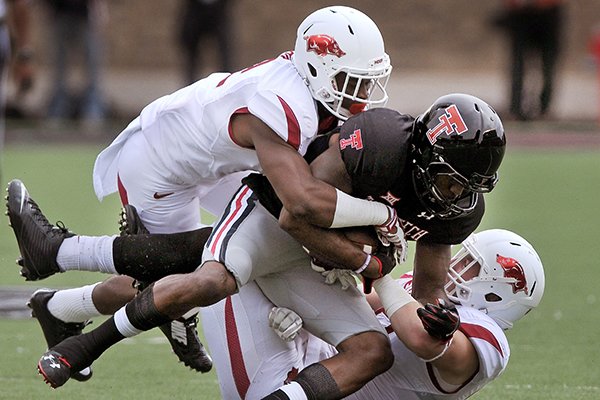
(492, 298)
(312, 70)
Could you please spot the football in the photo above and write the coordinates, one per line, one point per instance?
(364, 236)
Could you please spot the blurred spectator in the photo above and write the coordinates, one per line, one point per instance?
(203, 19)
(77, 29)
(17, 17)
(534, 29)
(14, 24)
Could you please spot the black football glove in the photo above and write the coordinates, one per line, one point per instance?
(440, 320)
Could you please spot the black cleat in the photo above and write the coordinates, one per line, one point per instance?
(55, 330)
(38, 239)
(186, 345)
(130, 222)
(55, 369)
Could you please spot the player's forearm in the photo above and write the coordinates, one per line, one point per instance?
(325, 243)
(409, 329)
(430, 271)
(315, 200)
(401, 309)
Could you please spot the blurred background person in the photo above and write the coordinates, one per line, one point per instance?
(77, 30)
(534, 29)
(15, 27)
(203, 19)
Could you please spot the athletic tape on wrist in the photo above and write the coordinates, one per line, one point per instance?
(392, 296)
(351, 211)
(444, 350)
(364, 266)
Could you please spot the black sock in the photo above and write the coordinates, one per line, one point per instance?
(151, 257)
(80, 351)
(318, 384)
(278, 395)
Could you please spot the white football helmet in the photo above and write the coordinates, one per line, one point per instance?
(341, 39)
(498, 272)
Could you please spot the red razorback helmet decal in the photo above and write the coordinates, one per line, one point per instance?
(323, 45)
(512, 269)
(498, 272)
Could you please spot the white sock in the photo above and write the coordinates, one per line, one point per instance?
(123, 324)
(87, 253)
(294, 391)
(74, 305)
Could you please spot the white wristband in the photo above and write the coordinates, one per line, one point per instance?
(392, 296)
(446, 347)
(364, 266)
(352, 211)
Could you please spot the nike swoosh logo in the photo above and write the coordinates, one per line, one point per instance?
(161, 195)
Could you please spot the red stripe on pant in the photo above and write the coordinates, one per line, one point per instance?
(238, 368)
(122, 191)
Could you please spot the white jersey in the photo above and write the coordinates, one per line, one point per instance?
(261, 362)
(188, 131)
(412, 378)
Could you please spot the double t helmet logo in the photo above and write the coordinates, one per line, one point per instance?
(450, 122)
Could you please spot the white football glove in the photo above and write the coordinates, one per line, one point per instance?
(285, 322)
(346, 277)
(391, 233)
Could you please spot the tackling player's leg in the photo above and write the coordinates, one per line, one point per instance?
(47, 249)
(167, 299)
(41, 244)
(361, 358)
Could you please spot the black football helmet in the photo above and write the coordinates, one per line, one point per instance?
(460, 138)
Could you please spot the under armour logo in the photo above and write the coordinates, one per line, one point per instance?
(354, 141)
(450, 122)
(53, 362)
(426, 215)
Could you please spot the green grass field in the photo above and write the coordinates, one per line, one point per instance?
(549, 197)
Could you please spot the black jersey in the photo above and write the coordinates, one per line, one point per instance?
(375, 147)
